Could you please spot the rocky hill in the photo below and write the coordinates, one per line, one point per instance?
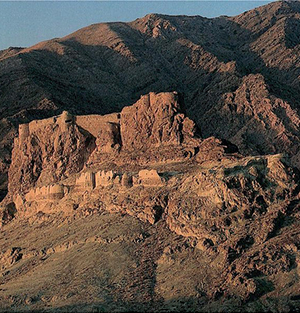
(121, 194)
(239, 75)
(136, 211)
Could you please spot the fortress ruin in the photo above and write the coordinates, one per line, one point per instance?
(88, 181)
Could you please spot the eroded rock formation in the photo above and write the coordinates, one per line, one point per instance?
(152, 130)
(156, 120)
(47, 151)
(226, 215)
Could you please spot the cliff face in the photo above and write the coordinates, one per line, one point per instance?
(177, 219)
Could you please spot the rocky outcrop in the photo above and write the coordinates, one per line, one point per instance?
(9, 257)
(227, 214)
(156, 120)
(259, 121)
(233, 211)
(7, 213)
(234, 194)
(47, 151)
(239, 76)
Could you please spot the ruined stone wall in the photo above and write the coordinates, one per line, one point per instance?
(90, 180)
(93, 123)
(23, 132)
(86, 181)
(105, 178)
(51, 192)
(35, 125)
(150, 178)
(62, 121)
